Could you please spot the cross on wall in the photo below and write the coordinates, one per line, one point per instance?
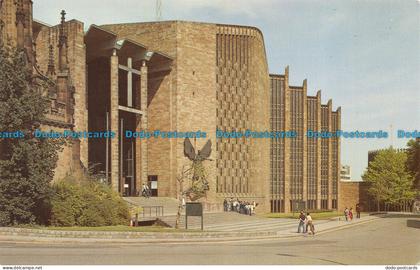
(130, 70)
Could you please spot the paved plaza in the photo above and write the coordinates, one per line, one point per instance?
(390, 240)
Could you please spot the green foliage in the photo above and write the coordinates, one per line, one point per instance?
(87, 203)
(413, 161)
(389, 179)
(26, 164)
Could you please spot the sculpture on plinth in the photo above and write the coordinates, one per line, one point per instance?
(199, 183)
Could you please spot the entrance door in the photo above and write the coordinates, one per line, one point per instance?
(153, 184)
(130, 172)
(127, 155)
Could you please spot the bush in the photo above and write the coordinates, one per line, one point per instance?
(87, 204)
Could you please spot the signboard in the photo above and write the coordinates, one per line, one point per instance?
(193, 209)
(153, 184)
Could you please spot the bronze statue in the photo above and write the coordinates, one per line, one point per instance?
(199, 183)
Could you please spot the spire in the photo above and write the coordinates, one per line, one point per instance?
(62, 44)
(51, 67)
(63, 20)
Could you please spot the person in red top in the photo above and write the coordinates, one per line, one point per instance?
(351, 214)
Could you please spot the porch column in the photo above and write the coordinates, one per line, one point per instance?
(115, 170)
(287, 176)
(330, 164)
(143, 123)
(305, 144)
(318, 151)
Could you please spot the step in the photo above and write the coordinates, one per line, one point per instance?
(169, 205)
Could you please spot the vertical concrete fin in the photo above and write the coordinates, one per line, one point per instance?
(329, 104)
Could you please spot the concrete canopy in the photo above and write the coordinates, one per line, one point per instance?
(101, 43)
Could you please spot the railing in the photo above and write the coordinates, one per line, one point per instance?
(157, 210)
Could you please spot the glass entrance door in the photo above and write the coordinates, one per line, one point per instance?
(153, 184)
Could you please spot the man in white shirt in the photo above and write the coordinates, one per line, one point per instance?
(309, 223)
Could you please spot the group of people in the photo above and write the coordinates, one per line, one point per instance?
(305, 223)
(242, 207)
(348, 213)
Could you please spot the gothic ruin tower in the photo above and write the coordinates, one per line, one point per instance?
(16, 26)
(46, 50)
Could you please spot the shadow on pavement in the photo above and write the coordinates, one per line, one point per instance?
(397, 215)
(413, 223)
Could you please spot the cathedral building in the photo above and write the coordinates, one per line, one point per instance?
(178, 77)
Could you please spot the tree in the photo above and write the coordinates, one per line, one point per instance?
(186, 174)
(413, 160)
(26, 163)
(389, 180)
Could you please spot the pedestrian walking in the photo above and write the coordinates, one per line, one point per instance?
(145, 191)
(358, 209)
(302, 219)
(351, 214)
(346, 213)
(310, 224)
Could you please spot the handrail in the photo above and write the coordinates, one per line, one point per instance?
(158, 210)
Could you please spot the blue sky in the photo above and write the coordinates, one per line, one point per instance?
(362, 54)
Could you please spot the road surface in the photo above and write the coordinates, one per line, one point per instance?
(392, 240)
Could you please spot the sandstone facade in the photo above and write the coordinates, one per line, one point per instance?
(179, 76)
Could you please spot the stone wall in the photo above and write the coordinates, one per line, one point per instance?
(162, 100)
(348, 195)
(186, 100)
(243, 104)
